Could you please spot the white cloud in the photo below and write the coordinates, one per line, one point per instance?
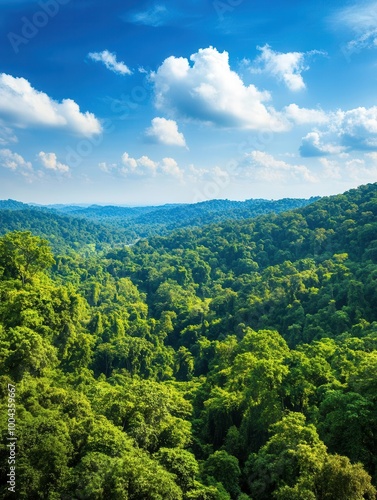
(170, 166)
(105, 167)
(110, 61)
(140, 166)
(358, 127)
(128, 162)
(50, 162)
(372, 156)
(6, 135)
(344, 131)
(166, 132)
(22, 106)
(199, 175)
(312, 145)
(286, 67)
(359, 17)
(143, 167)
(209, 91)
(14, 161)
(361, 20)
(331, 169)
(155, 16)
(262, 166)
(303, 116)
(147, 164)
(359, 170)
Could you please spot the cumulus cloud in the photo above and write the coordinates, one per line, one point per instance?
(50, 162)
(312, 145)
(262, 166)
(341, 132)
(143, 166)
(170, 166)
(304, 116)
(140, 166)
(286, 67)
(165, 131)
(358, 128)
(209, 91)
(129, 163)
(110, 61)
(22, 106)
(13, 161)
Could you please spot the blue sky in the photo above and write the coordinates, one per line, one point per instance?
(152, 102)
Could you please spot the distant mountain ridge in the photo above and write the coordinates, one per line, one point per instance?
(13, 205)
(171, 216)
(79, 226)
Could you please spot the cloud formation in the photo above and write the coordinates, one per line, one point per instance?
(140, 166)
(361, 170)
(13, 161)
(165, 131)
(209, 91)
(155, 16)
(361, 20)
(170, 166)
(144, 167)
(304, 116)
(344, 131)
(110, 61)
(50, 162)
(6, 135)
(286, 67)
(23, 106)
(312, 145)
(358, 128)
(261, 166)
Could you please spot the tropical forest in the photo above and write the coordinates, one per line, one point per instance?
(219, 351)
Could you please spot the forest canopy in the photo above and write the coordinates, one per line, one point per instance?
(234, 360)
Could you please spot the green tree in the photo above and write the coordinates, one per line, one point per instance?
(225, 469)
(22, 255)
(292, 457)
(180, 462)
(339, 480)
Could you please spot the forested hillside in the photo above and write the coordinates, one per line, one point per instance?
(147, 221)
(64, 233)
(87, 229)
(237, 360)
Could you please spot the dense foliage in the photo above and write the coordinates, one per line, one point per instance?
(237, 360)
(94, 228)
(64, 233)
(148, 221)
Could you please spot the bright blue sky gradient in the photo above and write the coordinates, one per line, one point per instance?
(180, 101)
